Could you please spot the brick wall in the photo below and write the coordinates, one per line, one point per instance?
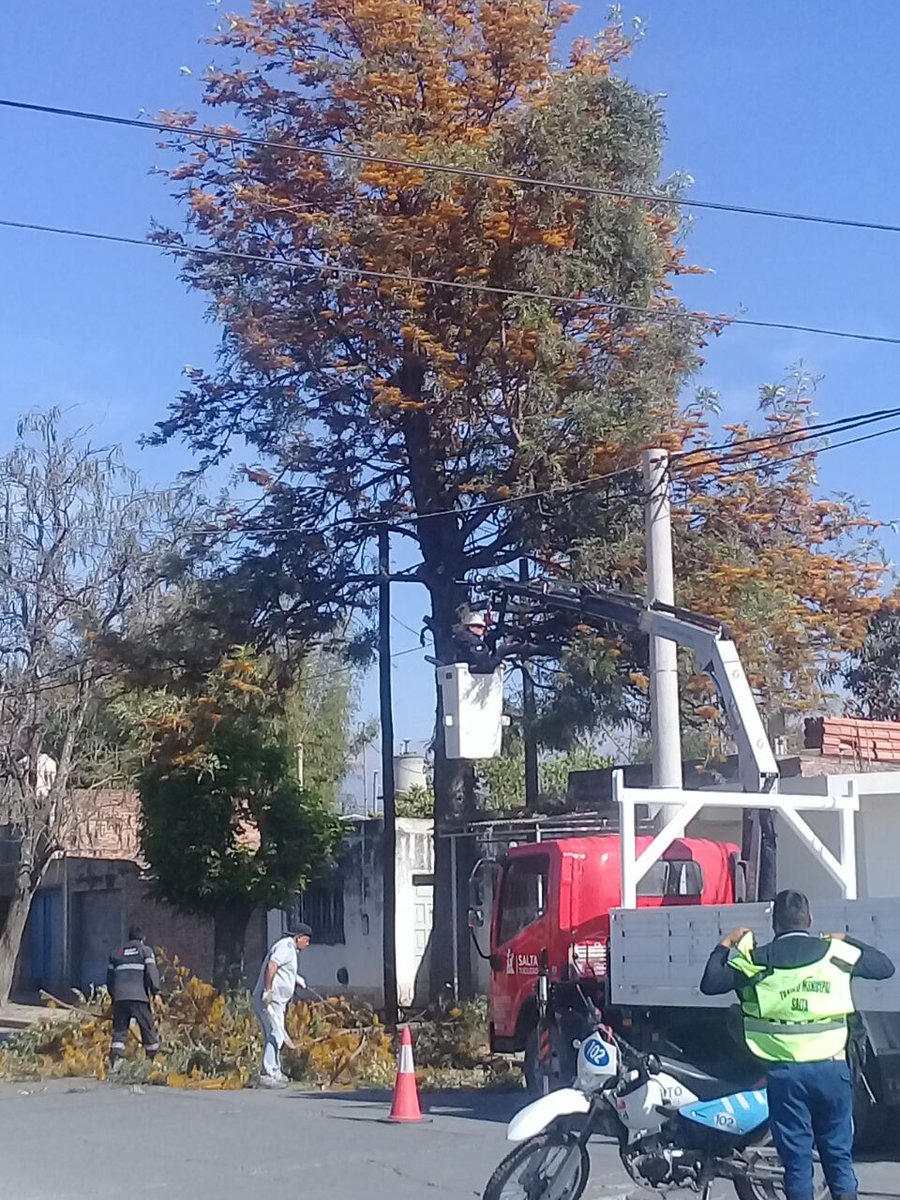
(104, 850)
(104, 823)
(190, 938)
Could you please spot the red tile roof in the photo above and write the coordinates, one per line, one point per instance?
(863, 741)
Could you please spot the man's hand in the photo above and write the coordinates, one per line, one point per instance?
(267, 997)
(731, 939)
(836, 937)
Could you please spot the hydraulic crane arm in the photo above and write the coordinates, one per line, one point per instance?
(715, 651)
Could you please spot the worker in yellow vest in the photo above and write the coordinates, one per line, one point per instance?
(795, 996)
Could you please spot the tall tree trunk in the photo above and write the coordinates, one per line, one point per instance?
(13, 932)
(229, 935)
(441, 542)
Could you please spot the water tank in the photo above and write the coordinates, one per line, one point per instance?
(409, 772)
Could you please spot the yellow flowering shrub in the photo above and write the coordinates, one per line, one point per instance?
(215, 1042)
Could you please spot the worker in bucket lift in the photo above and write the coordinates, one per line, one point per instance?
(470, 646)
(275, 987)
(132, 980)
(795, 999)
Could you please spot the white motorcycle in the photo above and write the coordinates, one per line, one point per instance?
(677, 1128)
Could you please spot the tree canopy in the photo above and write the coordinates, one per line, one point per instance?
(84, 552)
(470, 358)
(373, 393)
(873, 673)
(225, 825)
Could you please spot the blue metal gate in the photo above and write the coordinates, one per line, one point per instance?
(45, 939)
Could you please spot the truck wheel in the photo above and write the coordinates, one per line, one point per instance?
(551, 1166)
(561, 1071)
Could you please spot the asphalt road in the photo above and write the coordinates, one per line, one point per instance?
(67, 1140)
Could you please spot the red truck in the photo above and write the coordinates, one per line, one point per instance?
(551, 914)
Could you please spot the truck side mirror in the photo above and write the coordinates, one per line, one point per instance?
(476, 918)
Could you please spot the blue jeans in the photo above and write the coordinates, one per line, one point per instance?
(811, 1104)
(272, 1021)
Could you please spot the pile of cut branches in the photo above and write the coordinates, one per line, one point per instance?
(214, 1041)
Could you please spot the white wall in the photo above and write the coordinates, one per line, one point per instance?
(360, 865)
(415, 907)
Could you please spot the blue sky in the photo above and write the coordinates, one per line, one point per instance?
(790, 106)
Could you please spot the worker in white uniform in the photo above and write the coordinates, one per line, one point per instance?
(275, 987)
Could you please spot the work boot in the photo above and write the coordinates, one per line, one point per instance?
(272, 1081)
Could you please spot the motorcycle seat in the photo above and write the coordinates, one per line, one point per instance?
(704, 1086)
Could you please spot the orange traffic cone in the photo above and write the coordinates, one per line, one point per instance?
(406, 1095)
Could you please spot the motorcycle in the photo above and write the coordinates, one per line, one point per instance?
(676, 1127)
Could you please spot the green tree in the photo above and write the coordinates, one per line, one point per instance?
(873, 674)
(501, 781)
(225, 825)
(474, 353)
(418, 801)
(317, 722)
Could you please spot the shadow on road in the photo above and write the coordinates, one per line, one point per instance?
(468, 1103)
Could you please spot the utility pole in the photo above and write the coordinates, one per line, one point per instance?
(389, 839)
(665, 722)
(529, 712)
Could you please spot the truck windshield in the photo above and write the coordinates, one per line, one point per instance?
(523, 896)
(672, 877)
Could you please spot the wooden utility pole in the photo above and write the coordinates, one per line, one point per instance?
(529, 712)
(389, 840)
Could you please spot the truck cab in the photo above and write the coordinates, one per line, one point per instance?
(551, 909)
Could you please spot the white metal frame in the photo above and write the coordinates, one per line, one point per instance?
(685, 805)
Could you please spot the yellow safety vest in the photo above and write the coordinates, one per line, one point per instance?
(796, 1014)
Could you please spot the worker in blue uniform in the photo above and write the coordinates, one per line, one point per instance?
(795, 998)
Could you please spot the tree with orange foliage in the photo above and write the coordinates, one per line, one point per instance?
(379, 395)
(471, 360)
(794, 574)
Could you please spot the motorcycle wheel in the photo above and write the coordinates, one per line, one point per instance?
(551, 1166)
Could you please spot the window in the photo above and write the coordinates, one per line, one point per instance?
(672, 877)
(322, 907)
(523, 897)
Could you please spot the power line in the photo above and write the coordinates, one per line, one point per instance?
(473, 510)
(743, 457)
(788, 437)
(447, 169)
(763, 441)
(867, 437)
(655, 314)
(403, 625)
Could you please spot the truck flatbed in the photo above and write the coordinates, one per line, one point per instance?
(656, 956)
